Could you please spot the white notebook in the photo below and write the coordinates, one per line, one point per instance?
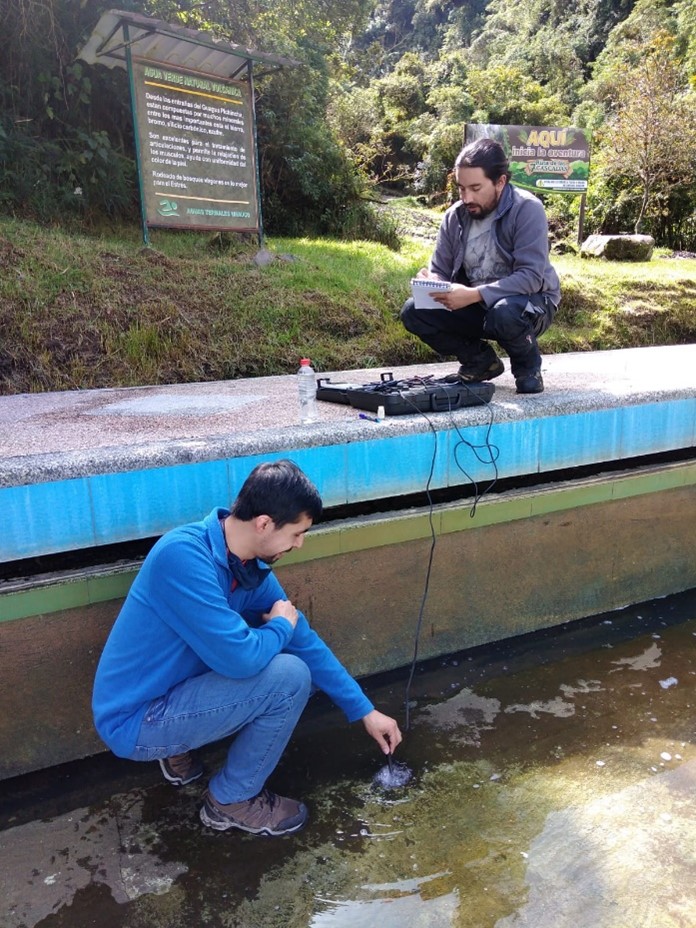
(422, 287)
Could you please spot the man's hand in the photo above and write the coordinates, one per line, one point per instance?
(384, 730)
(283, 608)
(427, 274)
(458, 297)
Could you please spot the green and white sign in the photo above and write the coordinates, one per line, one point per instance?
(542, 158)
(196, 149)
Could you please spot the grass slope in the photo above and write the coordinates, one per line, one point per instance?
(98, 310)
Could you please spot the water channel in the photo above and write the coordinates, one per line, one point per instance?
(554, 785)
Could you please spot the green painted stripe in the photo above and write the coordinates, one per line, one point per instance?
(101, 585)
(47, 596)
(394, 528)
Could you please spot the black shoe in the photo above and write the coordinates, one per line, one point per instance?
(265, 814)
(181, 769)
(530, 383)
(477, 372)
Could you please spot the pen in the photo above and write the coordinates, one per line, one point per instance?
(363, 415)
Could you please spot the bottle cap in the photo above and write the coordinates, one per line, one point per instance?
(305, 361)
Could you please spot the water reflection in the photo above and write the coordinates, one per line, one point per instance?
(51, 861)
(393, 906)
(543, 794)
(555, 785)
(623, 859)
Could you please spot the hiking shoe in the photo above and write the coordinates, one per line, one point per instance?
(181, 769)
(476, 372)
(265, 814)
(530, 383)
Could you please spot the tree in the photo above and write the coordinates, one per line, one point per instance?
(506, 95)
(66, 141)
(686, 24)
(625, 47)
(651, 136)
(551, 41)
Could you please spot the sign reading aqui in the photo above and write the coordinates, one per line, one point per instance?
(542, 158)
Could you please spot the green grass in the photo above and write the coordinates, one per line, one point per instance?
(610, 304)
(97, 309)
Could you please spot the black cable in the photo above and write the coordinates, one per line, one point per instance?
(493, 454)
(492, 457)
(433, 540)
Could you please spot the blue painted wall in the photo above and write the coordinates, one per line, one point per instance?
(45, 518)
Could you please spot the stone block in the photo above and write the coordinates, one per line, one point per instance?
(618, 247)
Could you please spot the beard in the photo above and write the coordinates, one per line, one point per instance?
(480, 212)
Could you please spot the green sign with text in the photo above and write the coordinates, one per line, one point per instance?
(197, 151)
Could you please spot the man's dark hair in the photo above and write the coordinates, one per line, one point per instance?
(486, 154)
(280, 490)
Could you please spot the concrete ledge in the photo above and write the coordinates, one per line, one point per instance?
(119, 465)
(48, 437)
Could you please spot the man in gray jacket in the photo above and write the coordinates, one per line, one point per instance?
(493, 248)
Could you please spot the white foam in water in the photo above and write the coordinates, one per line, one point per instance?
(393, 777)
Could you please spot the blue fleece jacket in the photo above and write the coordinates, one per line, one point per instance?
(181, 618)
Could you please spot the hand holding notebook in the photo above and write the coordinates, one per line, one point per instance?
(423, 287)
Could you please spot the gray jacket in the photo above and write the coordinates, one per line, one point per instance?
(520, 232)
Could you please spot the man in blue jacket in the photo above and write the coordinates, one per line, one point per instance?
(208, 645)
(493, 247)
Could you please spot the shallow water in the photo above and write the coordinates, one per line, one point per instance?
(554, 785)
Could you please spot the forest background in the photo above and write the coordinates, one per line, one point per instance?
(377, 106)
(381, 97)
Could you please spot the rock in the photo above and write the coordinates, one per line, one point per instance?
(563, 248)
(618, 247)
(263, 258)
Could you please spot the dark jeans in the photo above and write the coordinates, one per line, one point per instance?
(511, 322)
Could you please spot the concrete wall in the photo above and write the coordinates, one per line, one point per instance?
(526, 561)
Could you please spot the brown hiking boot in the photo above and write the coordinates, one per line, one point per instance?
(265, 814)
(181, 769)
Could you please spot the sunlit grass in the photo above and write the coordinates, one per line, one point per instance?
(95, 308)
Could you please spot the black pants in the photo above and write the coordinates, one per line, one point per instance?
(512, 322)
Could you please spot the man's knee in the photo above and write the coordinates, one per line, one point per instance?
(291, 675)
(507, 319)
(425, 323)
(408, 315)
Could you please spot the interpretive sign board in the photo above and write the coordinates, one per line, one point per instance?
(542, 158)
(197, 155)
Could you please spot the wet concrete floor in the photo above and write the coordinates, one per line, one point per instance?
(555, 785)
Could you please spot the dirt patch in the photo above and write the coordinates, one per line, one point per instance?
(412, 222)
(9, 255)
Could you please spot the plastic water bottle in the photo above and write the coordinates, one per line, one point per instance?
(307, 390)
